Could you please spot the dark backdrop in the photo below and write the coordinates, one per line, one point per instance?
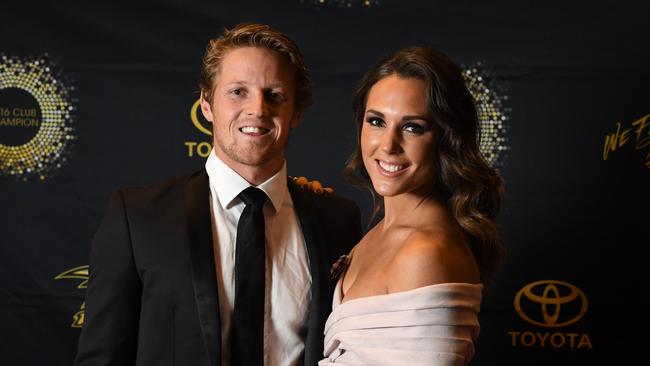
(569, 75)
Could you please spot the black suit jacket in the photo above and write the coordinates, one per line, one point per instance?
(152, 294)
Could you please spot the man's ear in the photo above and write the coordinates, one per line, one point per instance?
(297, 117)
(206, 108)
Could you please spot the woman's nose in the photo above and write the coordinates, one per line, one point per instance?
(390, 142)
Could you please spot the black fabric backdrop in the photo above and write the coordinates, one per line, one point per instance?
(571, 71)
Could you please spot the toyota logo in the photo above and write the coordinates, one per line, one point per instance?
(551, 303)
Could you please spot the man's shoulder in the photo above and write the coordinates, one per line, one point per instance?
(337, 218)
(321, 195)
(159, 190)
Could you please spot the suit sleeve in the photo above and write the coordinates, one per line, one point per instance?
(110, 332)
(350, 224)
(344, 226)
(355, 225)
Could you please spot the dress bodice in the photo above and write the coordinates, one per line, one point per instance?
(431, 325)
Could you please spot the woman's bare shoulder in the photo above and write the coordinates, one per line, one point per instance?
(429, 257)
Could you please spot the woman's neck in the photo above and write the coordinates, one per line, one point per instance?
(412, 209)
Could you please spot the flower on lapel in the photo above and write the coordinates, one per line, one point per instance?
(313, 185)
(340, 266)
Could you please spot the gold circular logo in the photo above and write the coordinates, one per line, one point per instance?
(36, 117)
(551, 303)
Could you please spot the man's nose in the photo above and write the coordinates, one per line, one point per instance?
(257, 105)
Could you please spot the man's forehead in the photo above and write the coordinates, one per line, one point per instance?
(245, 65)
(255, 56)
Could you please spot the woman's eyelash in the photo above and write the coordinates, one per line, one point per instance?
(375, 121)
(415, 128)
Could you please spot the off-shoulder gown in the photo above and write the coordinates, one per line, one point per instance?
(431, 325)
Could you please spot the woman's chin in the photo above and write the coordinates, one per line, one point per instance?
(385, 190)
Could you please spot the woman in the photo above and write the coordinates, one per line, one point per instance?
(410, 291)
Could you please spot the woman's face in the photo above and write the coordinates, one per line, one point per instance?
(398, 138)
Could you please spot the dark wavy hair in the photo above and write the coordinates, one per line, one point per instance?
(471, 189)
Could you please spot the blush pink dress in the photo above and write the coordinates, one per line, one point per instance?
(431, 325)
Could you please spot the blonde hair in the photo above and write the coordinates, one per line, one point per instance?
(254, 35)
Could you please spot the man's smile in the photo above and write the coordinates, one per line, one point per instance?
(254, 130)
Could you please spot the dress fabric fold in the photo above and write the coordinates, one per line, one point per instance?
(431, 325)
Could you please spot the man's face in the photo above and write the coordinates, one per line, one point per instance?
(252, 111)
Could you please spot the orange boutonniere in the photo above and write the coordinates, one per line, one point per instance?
(340, 266)
(313, 185)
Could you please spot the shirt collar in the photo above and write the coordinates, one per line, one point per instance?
(228, 184)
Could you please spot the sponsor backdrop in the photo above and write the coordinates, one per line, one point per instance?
(100, 95)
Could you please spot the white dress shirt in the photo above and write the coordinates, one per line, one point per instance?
(287, 291)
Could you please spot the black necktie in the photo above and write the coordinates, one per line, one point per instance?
(247, 331)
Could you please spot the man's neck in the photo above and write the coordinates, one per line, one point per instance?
(253, 174)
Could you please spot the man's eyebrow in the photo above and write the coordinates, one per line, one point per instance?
(275, 84)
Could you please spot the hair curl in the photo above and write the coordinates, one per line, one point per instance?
(471, 188)
(254, 35)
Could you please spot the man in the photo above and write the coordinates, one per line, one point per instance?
(170, 281)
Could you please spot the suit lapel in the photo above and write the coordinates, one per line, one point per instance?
(320, 306)
(199, 229)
